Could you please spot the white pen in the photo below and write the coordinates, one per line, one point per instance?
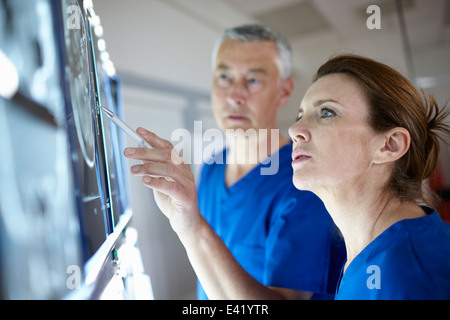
(128, 130)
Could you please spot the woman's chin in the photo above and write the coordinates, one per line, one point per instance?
(301, 184)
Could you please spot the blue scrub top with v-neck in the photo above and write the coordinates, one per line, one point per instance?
(409, 260)
(281, 236)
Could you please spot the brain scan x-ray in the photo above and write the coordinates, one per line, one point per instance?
(39, 225)
(88, 153)
(61, 172)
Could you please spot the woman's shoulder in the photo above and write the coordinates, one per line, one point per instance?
(425, 239)
(420, 259)
(410, 260)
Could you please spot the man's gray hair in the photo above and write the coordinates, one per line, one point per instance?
(255, 32)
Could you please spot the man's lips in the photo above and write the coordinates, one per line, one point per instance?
(299, 155)
(236, 116)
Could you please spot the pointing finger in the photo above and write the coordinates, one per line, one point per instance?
(153, 139)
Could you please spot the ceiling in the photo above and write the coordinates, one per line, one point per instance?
(428, 20)
(319, 28)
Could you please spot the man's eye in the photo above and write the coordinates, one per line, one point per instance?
(253, 81)
(224, 80)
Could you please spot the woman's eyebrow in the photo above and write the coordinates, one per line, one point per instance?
(318, 103)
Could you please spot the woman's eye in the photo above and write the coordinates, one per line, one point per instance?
(327, 113)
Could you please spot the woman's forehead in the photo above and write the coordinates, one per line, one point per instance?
(337, 87)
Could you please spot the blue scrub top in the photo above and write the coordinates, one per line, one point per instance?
(281, 236)
(409, 260)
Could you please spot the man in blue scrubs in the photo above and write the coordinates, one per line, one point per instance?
(249, 234)
(283, 237)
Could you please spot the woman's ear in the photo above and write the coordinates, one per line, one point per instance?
(394, 145)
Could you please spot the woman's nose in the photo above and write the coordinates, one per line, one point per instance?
(299, 133)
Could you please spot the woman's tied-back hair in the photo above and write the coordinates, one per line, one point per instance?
(256, 32)
(395, 102)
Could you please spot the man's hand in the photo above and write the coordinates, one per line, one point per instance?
(173, 183)
(170, 177)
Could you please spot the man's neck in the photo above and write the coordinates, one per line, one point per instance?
(245, 153)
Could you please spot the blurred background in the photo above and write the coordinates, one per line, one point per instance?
(161, 49)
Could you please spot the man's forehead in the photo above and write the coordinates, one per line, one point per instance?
(251, 49)
(255, 57)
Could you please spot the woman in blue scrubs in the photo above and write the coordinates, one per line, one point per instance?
(365, 142)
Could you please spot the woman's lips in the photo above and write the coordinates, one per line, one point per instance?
(299, 156)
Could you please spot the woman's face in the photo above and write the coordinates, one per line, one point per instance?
(333, 144)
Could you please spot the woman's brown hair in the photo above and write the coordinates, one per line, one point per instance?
(395, 102)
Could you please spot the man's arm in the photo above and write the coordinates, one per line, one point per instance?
(220, 274)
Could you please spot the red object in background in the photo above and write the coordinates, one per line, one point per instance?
(439, 185)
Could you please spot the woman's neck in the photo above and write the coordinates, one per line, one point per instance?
(362, 215)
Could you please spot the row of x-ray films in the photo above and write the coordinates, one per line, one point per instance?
(62, 189)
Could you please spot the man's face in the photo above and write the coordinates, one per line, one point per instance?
(247, 89)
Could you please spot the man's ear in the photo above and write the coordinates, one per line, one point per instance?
(394, 144)
(287, 87)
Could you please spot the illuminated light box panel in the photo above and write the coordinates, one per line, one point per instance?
(63, 195)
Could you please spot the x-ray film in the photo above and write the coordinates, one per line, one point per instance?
(116, 192)
(39, 225)
(62, 186)
(88, 153)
